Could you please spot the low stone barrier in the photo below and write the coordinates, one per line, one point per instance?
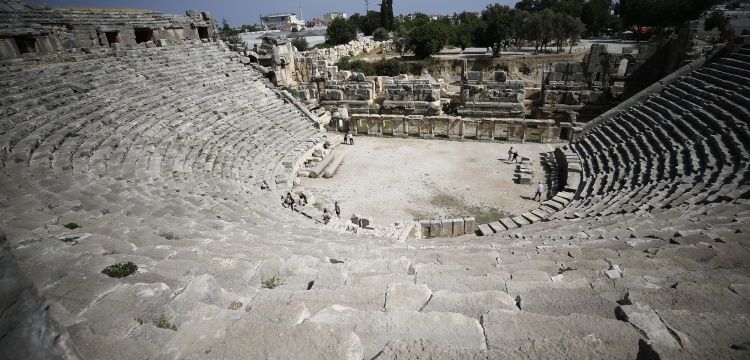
(447, 227)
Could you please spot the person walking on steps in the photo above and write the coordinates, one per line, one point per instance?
(510, 153)
(337, 209)
(539, 191)
(289, 201)
(515, 156)
(326, 217)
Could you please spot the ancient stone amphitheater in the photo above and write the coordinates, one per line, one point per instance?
(157, 149)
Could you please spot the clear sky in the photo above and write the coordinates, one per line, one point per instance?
(239, 12)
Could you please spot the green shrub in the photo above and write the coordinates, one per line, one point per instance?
(300, 43)
(388, 67)
(340, 31)
(380, 34)
(120, 270)
(71, 226)
(163, 323)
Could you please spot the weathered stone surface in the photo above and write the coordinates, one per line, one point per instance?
(703, 331)
(263, 341)
(285, 313)
(406, 296)
(690, 296)
(562, 302)
(376, 329)
(137, 303)
(472, 304)
(509, 329)
(27, 330)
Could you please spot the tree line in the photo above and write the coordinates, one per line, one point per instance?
(540, 23)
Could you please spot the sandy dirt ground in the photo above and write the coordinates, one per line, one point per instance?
(394, 180)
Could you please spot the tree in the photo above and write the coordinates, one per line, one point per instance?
(572, 27)
(466, 28)
(595, 15)
(380, 34)
(340, 31)
(386, 14)
(662, 13)
(529, 5)
(717, 20)
(401, 39)
(366, 24)
(300, 43)
(231, 36)
(388, 67)
(225, 26)
(428, 39)
(500, 23)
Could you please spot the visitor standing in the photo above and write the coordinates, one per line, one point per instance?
(337, 209)
(326, 217)
(510, 153)
(515, 156)
(539, 191)
(289, 201)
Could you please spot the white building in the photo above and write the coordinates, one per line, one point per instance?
(282, 21)
(327, 18)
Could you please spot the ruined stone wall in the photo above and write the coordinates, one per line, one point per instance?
(39, 31)
(351, 49)
(405, 96)
(494, 97)
(451, 127)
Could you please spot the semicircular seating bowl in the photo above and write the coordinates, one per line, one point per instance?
(158, 157)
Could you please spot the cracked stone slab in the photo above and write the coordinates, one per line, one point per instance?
(472, 304)
(510, 329)
(648, 322)
(376, 329)
(406, 296)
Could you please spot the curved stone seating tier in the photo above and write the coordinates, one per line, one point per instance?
(158, 156)
(684, 146)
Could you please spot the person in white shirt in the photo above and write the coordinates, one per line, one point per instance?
(539, 191)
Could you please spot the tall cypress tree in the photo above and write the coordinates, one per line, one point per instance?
(386, 14)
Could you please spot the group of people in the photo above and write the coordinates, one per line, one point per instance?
(349, 138)
(327, 216)
(512, 155)
(288, 201)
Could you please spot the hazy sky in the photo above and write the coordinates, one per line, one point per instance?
(239, 12)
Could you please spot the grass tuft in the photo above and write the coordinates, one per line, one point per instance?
(71, 226)
(236, 304)
(120, 270)
(169, 235)
(163, 323)
(270, 283)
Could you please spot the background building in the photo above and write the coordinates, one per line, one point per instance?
(282, 21)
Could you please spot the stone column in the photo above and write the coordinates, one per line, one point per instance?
(492, 129)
